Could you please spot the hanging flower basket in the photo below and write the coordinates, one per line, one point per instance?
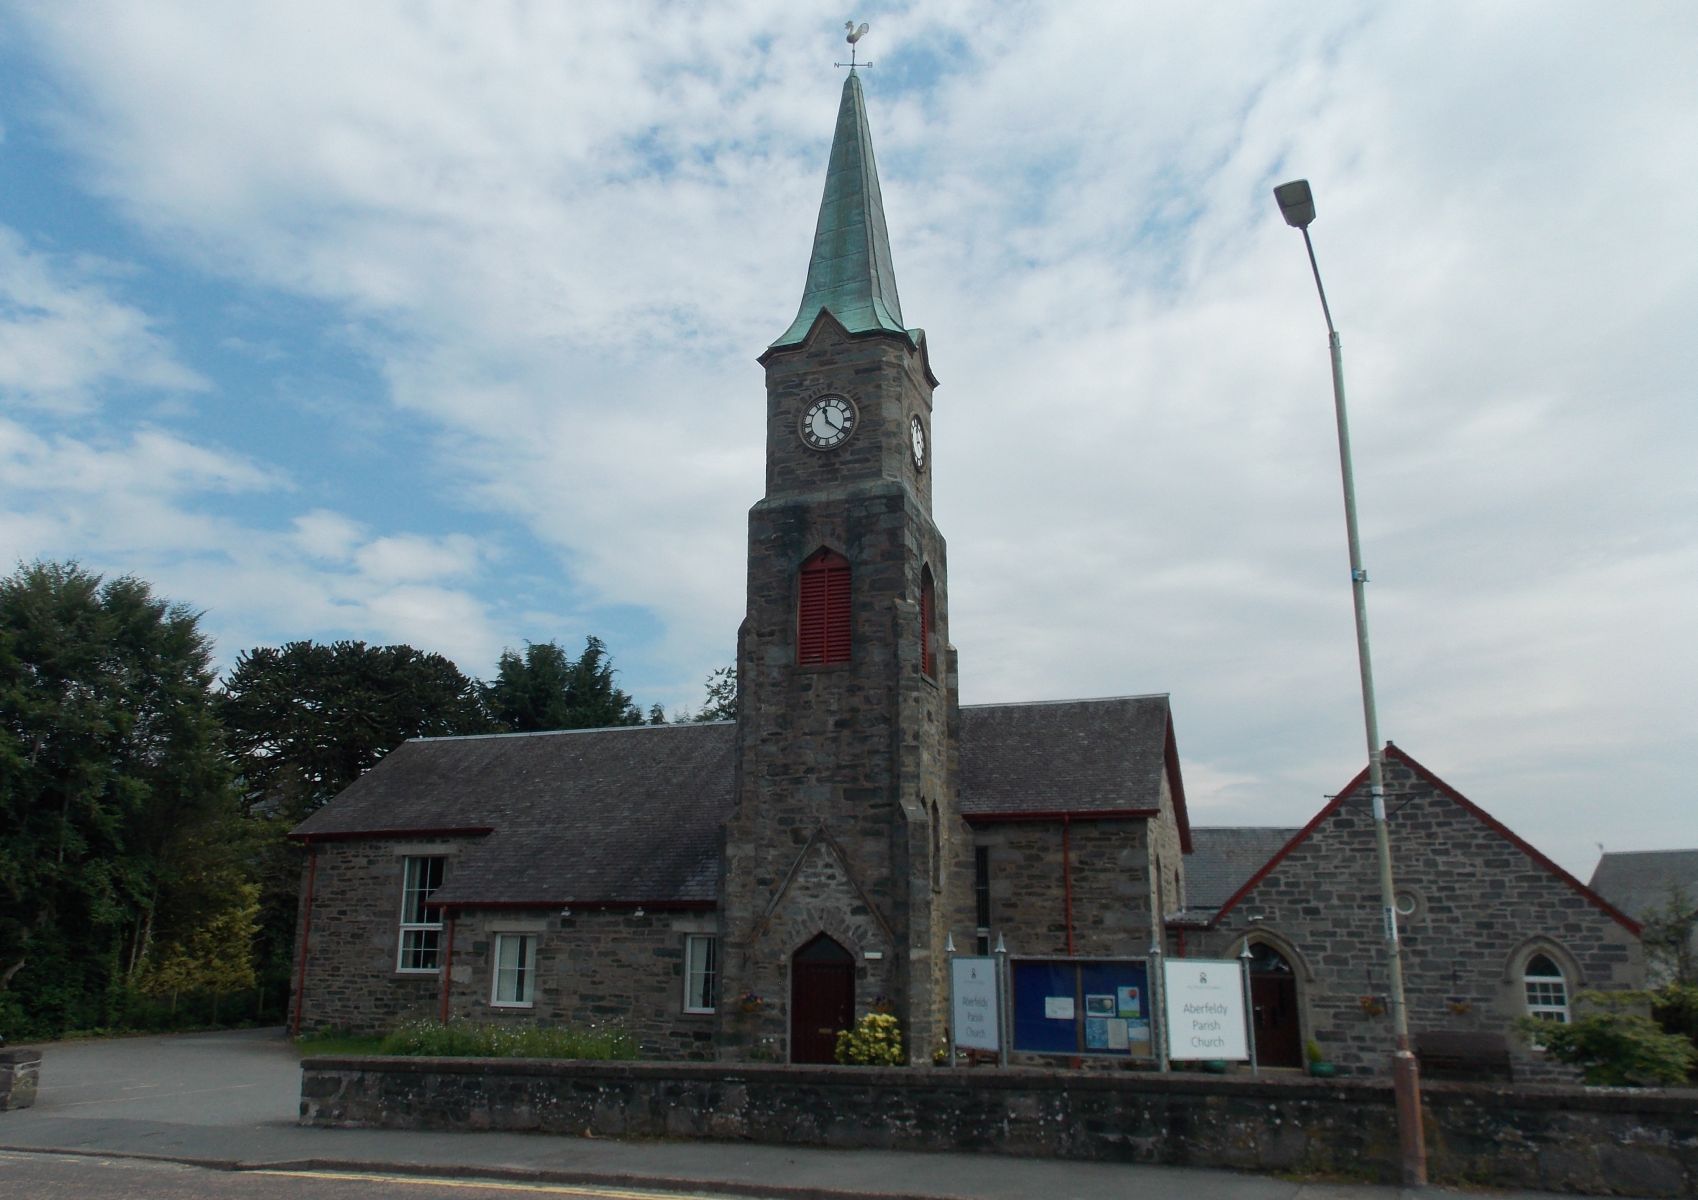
(1459, 1006)
(749, 1002)
(1372, 1005)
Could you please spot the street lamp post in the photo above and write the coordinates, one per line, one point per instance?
(1298, 205)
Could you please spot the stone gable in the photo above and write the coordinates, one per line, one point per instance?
(1482, 905)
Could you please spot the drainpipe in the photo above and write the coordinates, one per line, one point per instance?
(447, 965)
(306, 933)
(1067, 876)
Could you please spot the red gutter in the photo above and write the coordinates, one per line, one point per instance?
(306, 932)
(447, 966)
(1067, 878)
(1103, 814)
(585, 905)
(1170, 760)
(357, 835)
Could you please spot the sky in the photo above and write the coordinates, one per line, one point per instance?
(437, 323)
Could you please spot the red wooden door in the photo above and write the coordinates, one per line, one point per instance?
(822, 999)
(1278, 1038)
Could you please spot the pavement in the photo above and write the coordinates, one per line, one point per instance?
(230, 1100)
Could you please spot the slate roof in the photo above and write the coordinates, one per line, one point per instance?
(1223, 858)
(1067, 756)
(633, 815)
(626, 815)
(1638, 881)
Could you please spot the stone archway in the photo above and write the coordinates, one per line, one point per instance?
(1273, 1003)
(822, 999)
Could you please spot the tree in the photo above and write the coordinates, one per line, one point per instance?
(216, 958)
(721, 703)
(305, 720)
(1668, 933)
(1615, 1047)
(111, 772)
(546, 688)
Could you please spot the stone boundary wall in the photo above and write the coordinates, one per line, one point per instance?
(20, 1072)
(1591, 1140)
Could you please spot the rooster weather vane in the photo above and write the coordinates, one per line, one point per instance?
(856, 33)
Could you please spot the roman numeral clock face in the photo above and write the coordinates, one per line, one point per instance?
(828, 422)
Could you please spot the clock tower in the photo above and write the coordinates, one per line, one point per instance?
(845, 854)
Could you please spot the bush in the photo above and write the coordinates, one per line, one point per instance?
(486, 1039)
(1614, 1047)
(876, 1041)
(1674, 1006)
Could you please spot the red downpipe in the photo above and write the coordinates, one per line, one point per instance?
(306, 933)
(1067, 877)
(447, 966)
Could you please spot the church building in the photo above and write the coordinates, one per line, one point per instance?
(743, 890)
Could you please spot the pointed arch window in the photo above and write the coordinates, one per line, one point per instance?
(928, 623)
(1547, 990)
(822, 610)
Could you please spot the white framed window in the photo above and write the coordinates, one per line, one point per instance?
(421, 921)
(515, 970)
(1546, 989)
(701, 972)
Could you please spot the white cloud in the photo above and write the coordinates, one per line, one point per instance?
(560, 239)
(64, 337)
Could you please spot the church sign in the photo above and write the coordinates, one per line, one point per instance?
(1205, 1009)
(976, 1011)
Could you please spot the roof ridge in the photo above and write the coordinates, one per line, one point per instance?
(1072, 700)
(1624, 853)
(527, 733)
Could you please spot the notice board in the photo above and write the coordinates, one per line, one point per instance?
(1079, 1006)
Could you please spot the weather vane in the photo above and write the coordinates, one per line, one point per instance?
(856, 33)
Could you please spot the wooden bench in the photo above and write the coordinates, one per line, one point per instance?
(1469, 1056)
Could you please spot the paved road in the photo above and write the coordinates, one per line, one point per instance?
(81, 1177)
(231, 1100)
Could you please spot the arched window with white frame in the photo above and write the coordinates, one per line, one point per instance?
(1546, 989)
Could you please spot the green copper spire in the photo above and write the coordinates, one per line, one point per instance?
(850, 272)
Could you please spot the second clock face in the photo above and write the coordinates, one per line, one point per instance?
(917, 440)
(828, 422)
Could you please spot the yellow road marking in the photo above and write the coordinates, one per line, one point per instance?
(498, 1185)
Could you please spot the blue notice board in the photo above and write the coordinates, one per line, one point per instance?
(1076, 1006)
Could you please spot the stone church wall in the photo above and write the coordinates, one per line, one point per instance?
(844, 791)
(1482, 908)
(1028, 891)
(1167, 858)
(351, 982)
(594, 969)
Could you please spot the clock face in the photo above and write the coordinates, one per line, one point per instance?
(917, 438)
(828, 422)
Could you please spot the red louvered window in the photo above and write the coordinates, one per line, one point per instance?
(822, 610)
(928, 637)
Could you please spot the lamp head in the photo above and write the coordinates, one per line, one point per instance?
(1296, 202)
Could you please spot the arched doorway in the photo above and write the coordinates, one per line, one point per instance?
(1273, 999)
(822, 999)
